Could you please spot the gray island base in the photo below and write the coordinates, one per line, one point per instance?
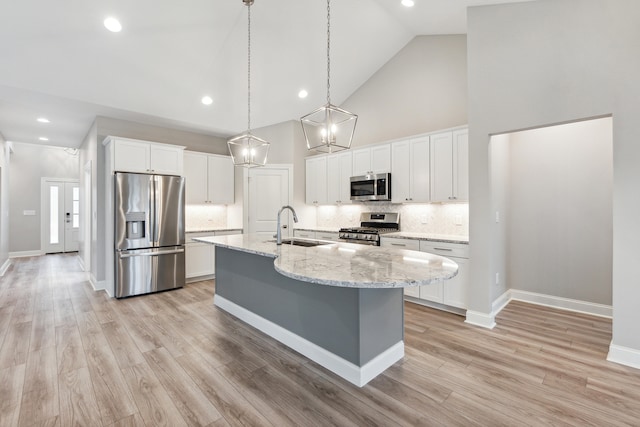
(354, 331)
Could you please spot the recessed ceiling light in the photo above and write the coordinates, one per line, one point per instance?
(207, 100)
(303, 94)
(113, 25)
(408, 3)
(42, 138)
(43, 120)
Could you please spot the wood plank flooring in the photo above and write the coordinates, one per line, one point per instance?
(72, 356)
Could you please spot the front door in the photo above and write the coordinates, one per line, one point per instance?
(269, 190)
(61, 216)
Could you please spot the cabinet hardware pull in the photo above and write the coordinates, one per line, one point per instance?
(398, 244)
(443, 249)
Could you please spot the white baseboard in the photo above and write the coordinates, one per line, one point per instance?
(561, 303)
(500, 303)
(359, 376)
(5, 266)
(480, 319)
(22, 254)
(99, 285)
(624, 356)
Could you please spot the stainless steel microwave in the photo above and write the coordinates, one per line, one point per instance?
(373, 187)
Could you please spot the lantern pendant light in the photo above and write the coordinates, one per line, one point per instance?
(248, 150)
(329, 128)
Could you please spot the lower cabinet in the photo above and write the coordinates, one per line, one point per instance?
(321, 235)
(453, 292)
(200, 258)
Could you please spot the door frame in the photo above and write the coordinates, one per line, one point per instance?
(245, 190)
(43, 203)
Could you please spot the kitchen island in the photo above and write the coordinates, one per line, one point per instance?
(339, 304)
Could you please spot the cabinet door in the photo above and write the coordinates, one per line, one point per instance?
(432, 292)
(131, 156)
(420, 178)
(165, 159)
(361, 161)
(338, 174)
(333, 179)
(195, 172)
(381, 158)
(461, 165)
(316, 180)
(413, 291)
(221, 189)
(441, 167)
(401, 172)
(455, 289)
(327, 235)
(305, 234)
(199, 259)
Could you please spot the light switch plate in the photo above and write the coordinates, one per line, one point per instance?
(458, 219)
(29, 213)
(424, 219)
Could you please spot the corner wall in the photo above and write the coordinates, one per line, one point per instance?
(5, 166)
(547, 62)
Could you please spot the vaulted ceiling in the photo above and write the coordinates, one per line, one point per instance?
(58, 61)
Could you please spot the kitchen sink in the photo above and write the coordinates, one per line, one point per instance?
(301, 242)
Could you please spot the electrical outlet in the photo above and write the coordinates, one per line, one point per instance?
(424, 218)
(458, 219)
(497, 216)
(497, 278)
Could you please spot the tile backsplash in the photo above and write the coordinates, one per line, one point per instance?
(451, 219)
(203, 217)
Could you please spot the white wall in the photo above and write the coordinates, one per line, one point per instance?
(423, 88)
(5, 166)
(30, 163)
(548, 62)
(88, 158)
(499, 151)
(560, 212)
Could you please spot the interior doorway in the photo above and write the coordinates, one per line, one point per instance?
(267, 189)
(60, 230)
(552, 191)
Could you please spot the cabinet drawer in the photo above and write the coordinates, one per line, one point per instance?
(445, 249)
(326, 235)
(228, 232)
(190, 236)
(391, 242)
(304, 234)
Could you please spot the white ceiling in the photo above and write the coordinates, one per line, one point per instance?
(58, 60)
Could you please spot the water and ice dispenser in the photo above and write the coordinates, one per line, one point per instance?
(135, 225)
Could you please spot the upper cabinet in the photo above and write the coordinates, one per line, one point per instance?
(450, 166)
(316, 180)
(209, 178)
(410, 178)
(131, 155)
(376, 159)
(339, 170)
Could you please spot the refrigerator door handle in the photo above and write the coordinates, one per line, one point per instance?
(154, 253)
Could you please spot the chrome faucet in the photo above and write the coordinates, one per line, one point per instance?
(279, 231)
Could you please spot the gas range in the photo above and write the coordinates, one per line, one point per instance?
(372, 225)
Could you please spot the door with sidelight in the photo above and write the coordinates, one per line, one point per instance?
(60, 216)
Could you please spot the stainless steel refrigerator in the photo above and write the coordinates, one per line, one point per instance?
(149, 233)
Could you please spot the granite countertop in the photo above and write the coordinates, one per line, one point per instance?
(446, 238)
(345, 264)
(211, 229)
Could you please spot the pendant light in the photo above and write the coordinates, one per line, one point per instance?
(329, 128)
(248, 150)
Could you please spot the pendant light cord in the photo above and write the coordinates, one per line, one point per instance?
(328, 51)
(249, 68)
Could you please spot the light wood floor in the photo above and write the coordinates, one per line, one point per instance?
(72, 356)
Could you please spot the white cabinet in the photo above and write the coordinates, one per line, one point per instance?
(316, 180)
(130, 155)
(306, 234)
(376, 159)
(397, 243)
(200, 257)
(327, 235)
(410, 171)
(450, 166)
(209, 178)
(451, 292)
(339, 170)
